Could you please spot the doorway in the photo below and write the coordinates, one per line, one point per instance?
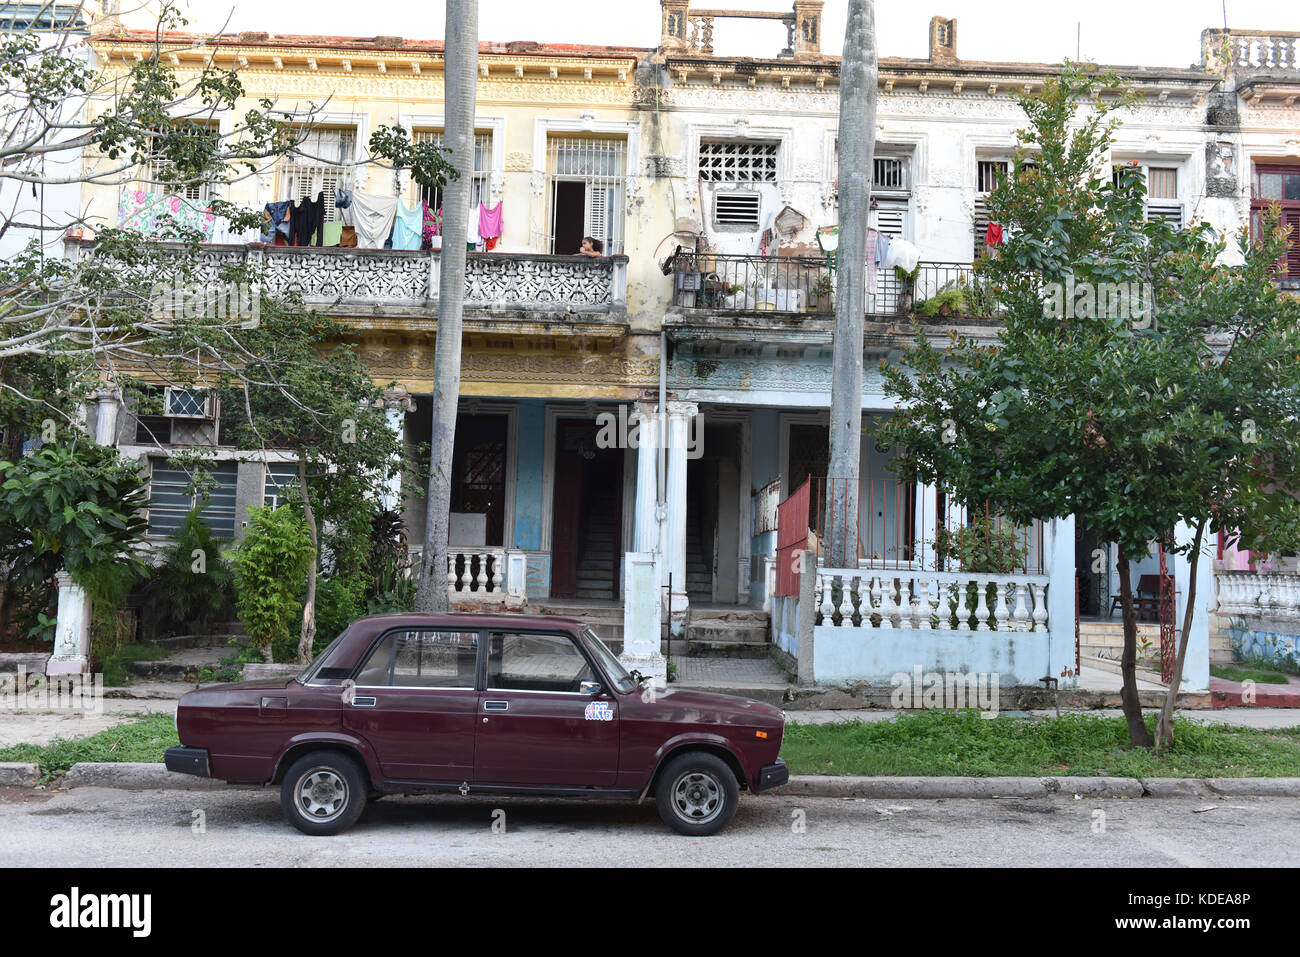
(586, 537)
(570, 205)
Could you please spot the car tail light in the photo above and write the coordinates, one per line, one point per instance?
(760, 734)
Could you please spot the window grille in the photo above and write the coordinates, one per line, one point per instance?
(481, 182)
(737, 162)
(601, 166)
(736, 209)
(322, 164)
(158, 175)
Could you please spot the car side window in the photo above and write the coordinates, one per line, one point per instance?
(523, 662)
(422, 658)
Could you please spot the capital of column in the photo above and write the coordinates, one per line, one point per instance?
(683, 410)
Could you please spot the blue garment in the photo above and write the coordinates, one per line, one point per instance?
(408, 229)
(343, 199)
(882, 247)
(279, 220)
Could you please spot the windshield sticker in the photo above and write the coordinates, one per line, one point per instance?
(599, 711)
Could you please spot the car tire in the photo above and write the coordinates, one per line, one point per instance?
(323, 793)
(697, 793)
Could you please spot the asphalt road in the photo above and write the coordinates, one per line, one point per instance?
(86, 827)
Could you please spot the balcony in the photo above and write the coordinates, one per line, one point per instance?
(514, 285)
(787, 287)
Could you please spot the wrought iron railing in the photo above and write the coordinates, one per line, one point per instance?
(806, 284)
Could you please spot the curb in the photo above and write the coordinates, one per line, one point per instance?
(144, 776)
(132, 776)
(954, 787)
(17, 774)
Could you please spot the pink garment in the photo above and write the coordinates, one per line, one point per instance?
(490, 220)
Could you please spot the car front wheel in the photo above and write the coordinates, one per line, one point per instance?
(323, 793)
(697, 794)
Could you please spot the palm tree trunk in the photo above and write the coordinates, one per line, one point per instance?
(461, 71)
(857, 135)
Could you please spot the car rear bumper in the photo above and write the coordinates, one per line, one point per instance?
(772, 776)
(188, 761)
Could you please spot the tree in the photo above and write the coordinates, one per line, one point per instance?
(1107, 393)
(269, 565)
(303, 390)
(461, 68)
(857, 139)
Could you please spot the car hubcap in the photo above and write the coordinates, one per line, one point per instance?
(322, 795)
(697, 797)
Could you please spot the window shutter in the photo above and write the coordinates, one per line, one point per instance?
(1291, 219)
(736, 209)
(891, 217)
(1172, 213)
(598, 213)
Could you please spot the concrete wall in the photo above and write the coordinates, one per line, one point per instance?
(877, 654)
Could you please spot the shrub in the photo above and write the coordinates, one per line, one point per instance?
(270, 564)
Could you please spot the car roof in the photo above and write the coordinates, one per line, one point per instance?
(476, 619)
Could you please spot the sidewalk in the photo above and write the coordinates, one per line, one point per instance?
(1228, 694)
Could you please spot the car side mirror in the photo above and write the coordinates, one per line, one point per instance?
(592, 688)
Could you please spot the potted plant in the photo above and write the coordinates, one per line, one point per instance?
(821, 294)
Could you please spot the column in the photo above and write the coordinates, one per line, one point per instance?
(107, 400)
(642, 617)
(72, 631)
(1058, 547)
(645, 535)
(396, 404)
(680, 415)
(1196, 667)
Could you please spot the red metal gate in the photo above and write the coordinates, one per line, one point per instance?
(791, 539)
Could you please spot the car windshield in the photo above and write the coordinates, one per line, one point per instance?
(318, 662)
(609, 661)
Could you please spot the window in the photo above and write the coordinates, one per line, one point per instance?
(988, 173)
(170, 500)
(321, 165)
(1163, 200)
(522, 662)
(481, 182)
(188, 403)
(153, 430)
(737, 162)
(158, 174)
(586, 189)
(736, 209)
(889, 173)
(280, 484)
(1280, 186)
(422, 658)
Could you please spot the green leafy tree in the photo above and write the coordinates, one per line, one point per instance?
(269, 565)
(305, 390)
(73, 506)
(1133, 418)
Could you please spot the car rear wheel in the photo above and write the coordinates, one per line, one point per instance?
(697, 794)
(323, 793)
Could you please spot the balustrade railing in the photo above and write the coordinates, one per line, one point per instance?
(923, 601)
(327, 274)
(476, 573)
(1271, 50)
(1259, 594)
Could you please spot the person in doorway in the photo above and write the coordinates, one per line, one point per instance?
(591, 247)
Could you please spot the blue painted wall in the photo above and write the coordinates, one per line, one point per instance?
(528, 480)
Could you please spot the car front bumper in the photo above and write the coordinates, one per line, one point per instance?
(187, 761)
(772, 776)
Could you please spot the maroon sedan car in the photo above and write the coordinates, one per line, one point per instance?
(497, 704)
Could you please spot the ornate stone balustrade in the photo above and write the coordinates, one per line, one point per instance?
(493, 281)
(1259, 594)
(923, 600)
(1252, 50)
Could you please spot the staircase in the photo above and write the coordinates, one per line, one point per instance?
(604, 617)
(699, 570)
(597, 556)
(722, 632)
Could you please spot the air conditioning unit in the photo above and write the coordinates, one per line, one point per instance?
(189, 404)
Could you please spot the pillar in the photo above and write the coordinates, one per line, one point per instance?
(645, 533)
(1058, 548)
(396, 404)
(642, 617)
(680, 415)
(1196, 667)
(107, 400)
(72, 631)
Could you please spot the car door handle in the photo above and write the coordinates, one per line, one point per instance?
(496, 705)
(364, 701)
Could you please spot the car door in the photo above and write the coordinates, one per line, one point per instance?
(540, 724)
(416, 702)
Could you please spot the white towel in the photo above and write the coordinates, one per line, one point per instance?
(902, 254)
(373, 218)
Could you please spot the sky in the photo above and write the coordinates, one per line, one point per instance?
(1120, 32)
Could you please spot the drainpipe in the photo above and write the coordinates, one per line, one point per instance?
(661, 477)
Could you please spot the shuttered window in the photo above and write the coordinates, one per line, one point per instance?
(280, 484)
(1279, 185)
(736, 209)
(170, 502)
(322, 165)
